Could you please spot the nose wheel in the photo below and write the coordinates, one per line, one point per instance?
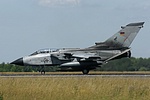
(42, 70)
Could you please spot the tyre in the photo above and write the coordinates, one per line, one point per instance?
(85, 71)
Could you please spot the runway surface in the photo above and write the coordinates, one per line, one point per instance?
(67, 76)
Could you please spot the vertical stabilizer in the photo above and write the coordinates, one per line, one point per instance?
(125, 36)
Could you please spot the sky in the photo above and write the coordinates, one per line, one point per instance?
(29, 25)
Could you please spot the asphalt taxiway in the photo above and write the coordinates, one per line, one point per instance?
(66, 76)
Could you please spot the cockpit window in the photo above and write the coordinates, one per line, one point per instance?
(33, 53)
(42, 51)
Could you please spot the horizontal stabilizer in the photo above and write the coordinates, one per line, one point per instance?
(115, 56)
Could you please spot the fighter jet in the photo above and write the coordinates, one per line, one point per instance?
(86, 59)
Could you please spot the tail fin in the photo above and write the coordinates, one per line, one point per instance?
(125, 36)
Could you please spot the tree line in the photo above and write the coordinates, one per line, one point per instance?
(127, 64)
(124, 64)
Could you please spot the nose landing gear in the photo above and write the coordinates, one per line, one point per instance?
(42, 70)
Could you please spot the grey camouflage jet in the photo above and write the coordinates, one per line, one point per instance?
(76, 59)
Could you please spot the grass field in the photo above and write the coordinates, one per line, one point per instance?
(74, 88)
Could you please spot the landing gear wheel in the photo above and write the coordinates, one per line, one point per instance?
(85, 71)
(42, 70)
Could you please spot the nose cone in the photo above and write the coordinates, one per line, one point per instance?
(18, 62)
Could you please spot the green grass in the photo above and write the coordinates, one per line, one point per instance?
(1, 96)
(74, 88)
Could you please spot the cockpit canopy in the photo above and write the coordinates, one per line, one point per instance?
(42, 51)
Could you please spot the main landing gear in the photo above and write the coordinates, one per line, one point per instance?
(85, 71)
